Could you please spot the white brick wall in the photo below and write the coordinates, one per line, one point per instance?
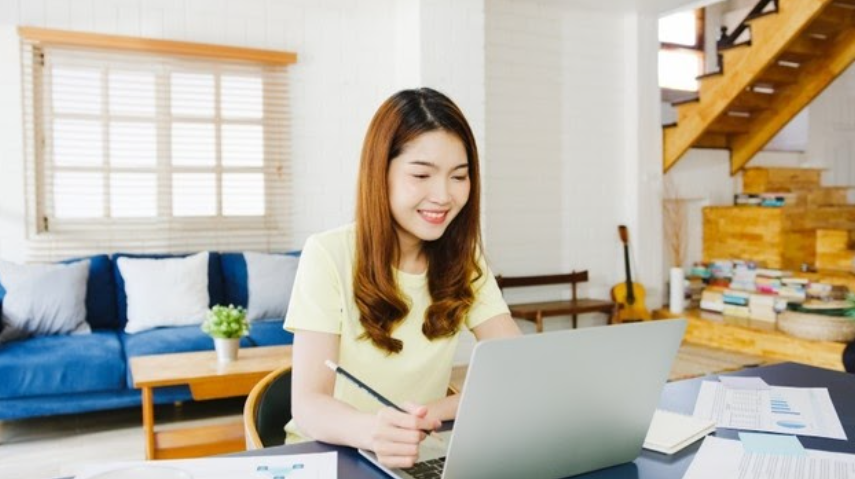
(557, 133)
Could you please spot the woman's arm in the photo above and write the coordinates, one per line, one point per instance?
(394, 436)
(501, 326)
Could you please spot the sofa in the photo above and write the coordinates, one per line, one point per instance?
(75, 373)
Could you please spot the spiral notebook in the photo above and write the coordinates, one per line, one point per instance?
(670, 432)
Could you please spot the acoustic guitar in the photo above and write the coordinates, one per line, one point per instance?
(629, 295)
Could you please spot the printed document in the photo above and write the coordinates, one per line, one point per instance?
(785, 410)
(297, 466)
(724, 458)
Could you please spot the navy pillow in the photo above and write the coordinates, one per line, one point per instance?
(236, 279)
(101, 310)
(216, 292)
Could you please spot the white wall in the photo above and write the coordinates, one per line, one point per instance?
(346, 68)
(570, 156)
(352, 55)
(12, 209)
(831, 138)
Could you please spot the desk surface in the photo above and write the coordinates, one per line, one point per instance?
(677, 396)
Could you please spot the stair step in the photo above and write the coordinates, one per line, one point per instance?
(803, 49)
(730, 124)
(712, 140)
(777, 75)
(830, 22)
(752, 101)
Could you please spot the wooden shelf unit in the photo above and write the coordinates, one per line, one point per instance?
(814, 227)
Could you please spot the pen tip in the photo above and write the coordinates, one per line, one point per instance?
(331, 364)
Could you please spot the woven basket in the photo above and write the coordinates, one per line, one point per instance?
(817, 326)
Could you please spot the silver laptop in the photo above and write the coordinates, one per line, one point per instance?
(554, 405)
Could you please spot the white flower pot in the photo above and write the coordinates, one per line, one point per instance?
(676, 298)
(227, 349)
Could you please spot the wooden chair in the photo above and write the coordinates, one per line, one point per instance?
(573, 307)
(267, 410)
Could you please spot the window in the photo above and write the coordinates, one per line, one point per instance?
(681, 52)
(124, 141)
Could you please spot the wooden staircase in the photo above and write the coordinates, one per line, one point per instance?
(794, 53)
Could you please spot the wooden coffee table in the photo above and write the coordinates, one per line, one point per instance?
(208, 379)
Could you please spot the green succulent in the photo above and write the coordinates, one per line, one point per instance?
(226, 322)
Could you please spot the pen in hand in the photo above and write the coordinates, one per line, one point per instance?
(339, 370)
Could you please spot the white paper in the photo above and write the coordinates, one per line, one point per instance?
(785, 410)
(724, 458)
(738, 382)
(297, 466)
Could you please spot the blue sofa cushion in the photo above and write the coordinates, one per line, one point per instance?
(179, 339)
(235, 279)
(101, 310)
(57, 365)
(269, 333)
(215, 281)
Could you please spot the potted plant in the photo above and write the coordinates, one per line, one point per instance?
(226, 324)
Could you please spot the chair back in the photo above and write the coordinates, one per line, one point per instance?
(267, 410)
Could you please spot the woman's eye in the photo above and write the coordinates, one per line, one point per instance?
(421, 177)
(460, 178)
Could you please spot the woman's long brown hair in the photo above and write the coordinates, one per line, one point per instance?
(452, 264)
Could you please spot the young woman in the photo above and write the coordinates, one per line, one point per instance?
(387, 297)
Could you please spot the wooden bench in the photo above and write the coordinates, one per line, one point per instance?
(574, 306)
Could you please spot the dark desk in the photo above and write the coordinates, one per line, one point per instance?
(678, 396)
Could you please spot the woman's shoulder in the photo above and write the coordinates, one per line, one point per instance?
(338, 236)
(337, 243)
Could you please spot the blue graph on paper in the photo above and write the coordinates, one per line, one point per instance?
(780, 407)
(279, 472)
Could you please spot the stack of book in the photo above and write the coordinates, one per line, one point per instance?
(712, 299)
(736, 303)
(762, 307)
(772, 200)
(694, 291)
(743, 278)
(768, 281)
(793, 290)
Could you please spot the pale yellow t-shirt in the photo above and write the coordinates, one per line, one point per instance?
(323, 301)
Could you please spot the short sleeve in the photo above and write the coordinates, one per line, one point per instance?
(316, 300)
(488, 298)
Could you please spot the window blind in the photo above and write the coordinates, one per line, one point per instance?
(155, 151)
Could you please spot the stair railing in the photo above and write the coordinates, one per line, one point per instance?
(726, 40)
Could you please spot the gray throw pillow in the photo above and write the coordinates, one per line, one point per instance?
(43, 299)
(270, 278)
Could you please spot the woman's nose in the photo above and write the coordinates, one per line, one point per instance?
(440, 192)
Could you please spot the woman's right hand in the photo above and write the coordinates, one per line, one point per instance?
(396, 435)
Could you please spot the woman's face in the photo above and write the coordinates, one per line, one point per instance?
(428, 186)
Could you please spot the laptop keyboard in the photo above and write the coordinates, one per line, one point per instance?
(431, 469)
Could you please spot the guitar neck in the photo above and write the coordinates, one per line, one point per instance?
(630, 295)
